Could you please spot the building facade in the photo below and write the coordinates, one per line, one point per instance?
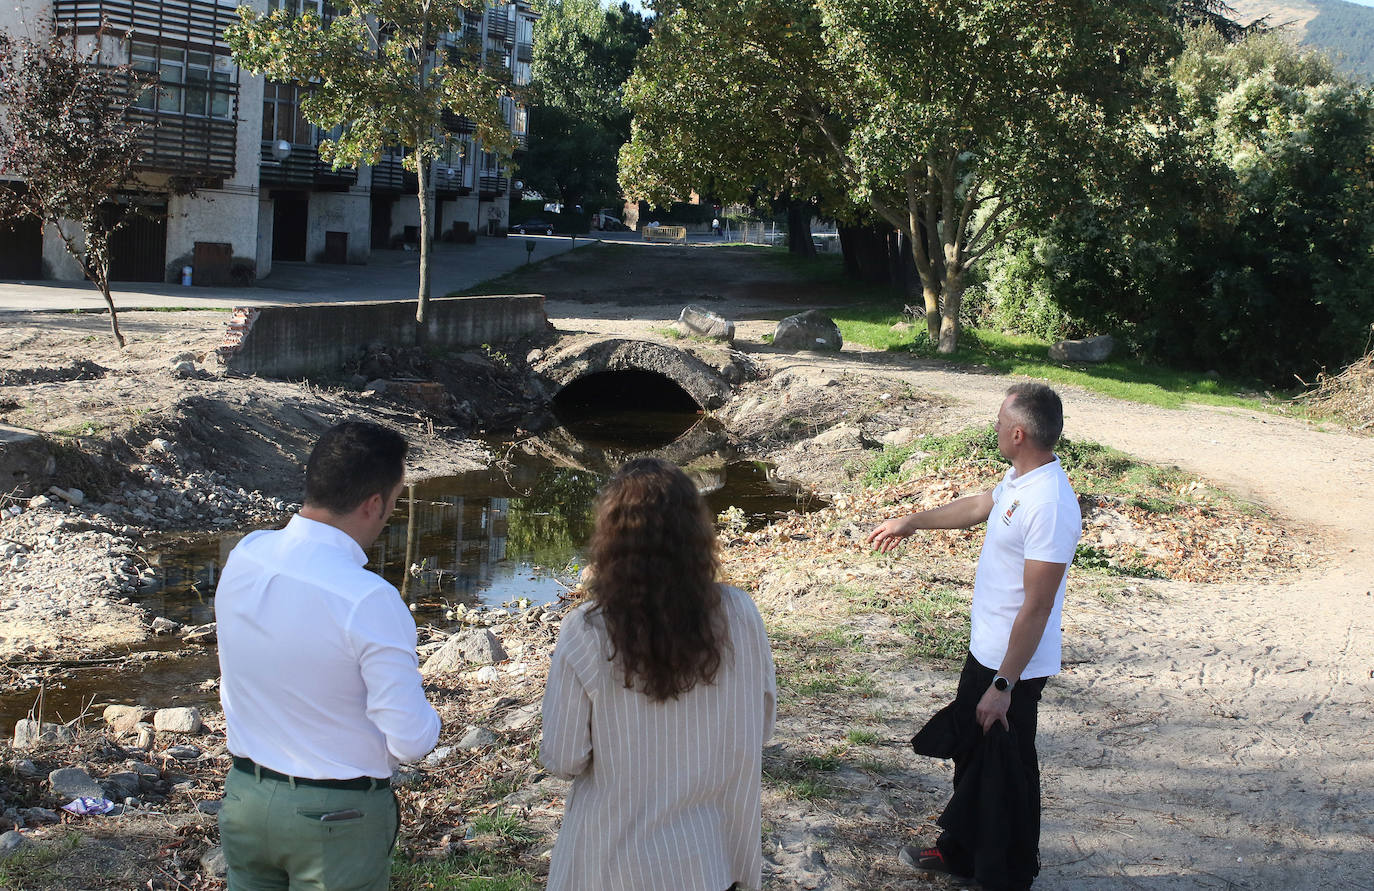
(231, 172)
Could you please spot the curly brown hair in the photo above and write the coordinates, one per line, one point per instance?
(653, 580)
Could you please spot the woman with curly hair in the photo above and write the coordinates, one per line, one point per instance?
(660, 698)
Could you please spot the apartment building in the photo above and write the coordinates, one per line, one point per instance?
(231, 174)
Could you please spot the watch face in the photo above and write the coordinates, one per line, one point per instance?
(1000, 683)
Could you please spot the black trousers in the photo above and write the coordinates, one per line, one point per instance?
(1022, 715)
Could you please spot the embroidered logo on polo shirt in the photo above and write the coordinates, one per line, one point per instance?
(1006, 517)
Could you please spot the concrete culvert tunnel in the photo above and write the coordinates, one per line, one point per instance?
(631, 389)
(632, 408)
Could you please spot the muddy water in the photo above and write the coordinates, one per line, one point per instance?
(516, 530)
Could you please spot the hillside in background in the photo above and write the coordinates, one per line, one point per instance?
(1344, 30)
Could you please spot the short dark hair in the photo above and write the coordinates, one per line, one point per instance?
(1040, 412)
(352, 462)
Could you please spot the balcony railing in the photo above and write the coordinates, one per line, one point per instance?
(449, 185)
(185, 144)
(389, 176)
(490, 185)
(454, 123)
(500, 28)
(303, 168)
(197, 22)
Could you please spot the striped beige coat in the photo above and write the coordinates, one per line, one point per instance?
(664, 795)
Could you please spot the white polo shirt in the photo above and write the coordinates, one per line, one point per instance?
(319, 675)
(1034, 516)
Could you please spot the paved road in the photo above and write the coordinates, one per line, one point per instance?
(390, 275)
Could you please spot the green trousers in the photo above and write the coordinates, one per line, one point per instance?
(274, 840)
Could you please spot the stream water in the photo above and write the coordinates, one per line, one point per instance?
(515, 530)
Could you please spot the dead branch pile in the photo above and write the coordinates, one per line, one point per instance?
(1348, 395)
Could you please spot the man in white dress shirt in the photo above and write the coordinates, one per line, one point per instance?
(320, 680)
(1033, 526)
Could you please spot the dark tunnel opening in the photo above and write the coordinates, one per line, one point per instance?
(635, 408)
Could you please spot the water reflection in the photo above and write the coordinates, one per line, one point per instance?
(485, 537)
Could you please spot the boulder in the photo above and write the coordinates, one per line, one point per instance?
(695, 321)
(182, 753)
(73, 782)
(177, 720)
(1089, 349)
(10, 842)
(214, 864)
(163, 625)
(810, 330)
(473, 646)
(124, 718)
(477, 738)
(840, 437)
(898, 438)
(28, 733)
(123, 784)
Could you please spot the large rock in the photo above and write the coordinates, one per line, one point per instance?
(10, 842)
(73, 782)
(214, 864)
(697, 322)
(841, 437)
(474, 646)
(177, 720)
(1089, 349)
(123, 784)
(28, 733)
(811, 330)
(123, 718)
(477, 738)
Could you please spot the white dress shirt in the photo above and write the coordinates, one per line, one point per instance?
(665, 795)
(319, 674)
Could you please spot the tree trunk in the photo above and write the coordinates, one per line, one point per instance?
(98, 271)
(799, 229)
(949, 315)
(422, 306)
(410, 543)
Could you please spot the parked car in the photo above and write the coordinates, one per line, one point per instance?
(533, 227)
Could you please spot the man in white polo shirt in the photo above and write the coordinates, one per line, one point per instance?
(1033, 525)
(320, 681)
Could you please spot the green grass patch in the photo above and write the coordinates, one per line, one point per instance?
(1097, 560)
(856, 737)
(885, 467)
(936, 619)
(1129, 379)
(506, 825)
(33, 862)
(467, 872)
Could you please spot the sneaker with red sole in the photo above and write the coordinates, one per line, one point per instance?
(931, 860)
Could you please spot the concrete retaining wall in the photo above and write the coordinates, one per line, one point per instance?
(317, 338)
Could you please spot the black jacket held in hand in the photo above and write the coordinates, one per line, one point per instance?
(990, 811)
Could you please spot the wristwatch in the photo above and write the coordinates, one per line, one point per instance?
(1002, 683)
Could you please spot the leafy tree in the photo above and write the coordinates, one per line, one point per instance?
(387, 73)
(583, 54)
(940, 116)
(67, 134)
(1244, 240)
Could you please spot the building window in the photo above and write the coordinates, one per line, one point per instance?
(187, 82)
(296, 7)
(282, 117)
(521, 73)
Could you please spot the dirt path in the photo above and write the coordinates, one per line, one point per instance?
(1213, 736)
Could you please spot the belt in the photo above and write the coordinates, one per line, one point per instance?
(364, 784)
